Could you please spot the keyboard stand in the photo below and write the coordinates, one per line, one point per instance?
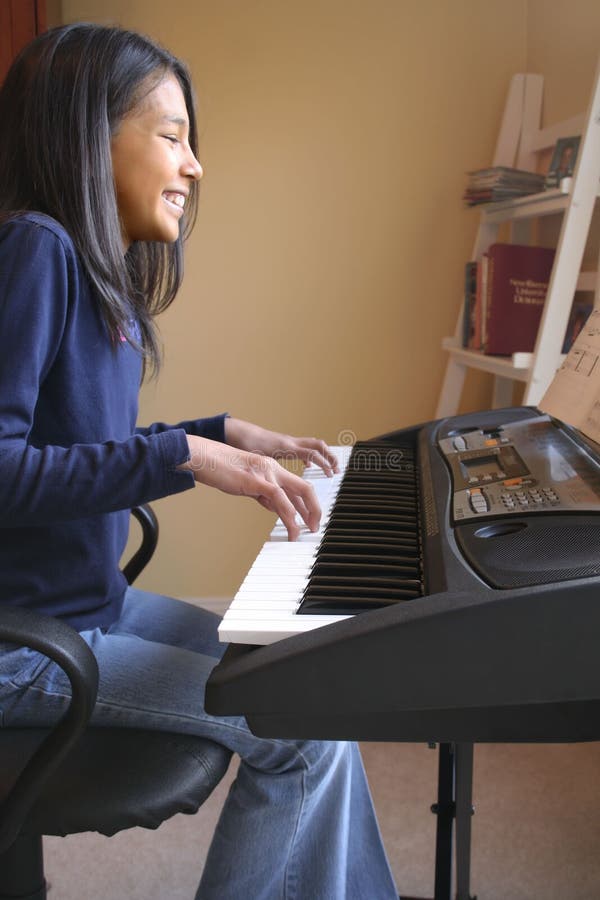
(455, 785)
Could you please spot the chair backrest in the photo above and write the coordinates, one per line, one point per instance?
(68, 779)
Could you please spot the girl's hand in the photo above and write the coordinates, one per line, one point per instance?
(255, 439)
(235, 471)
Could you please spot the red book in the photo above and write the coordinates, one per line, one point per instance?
(517, 283)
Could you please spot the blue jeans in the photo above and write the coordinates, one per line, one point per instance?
(298, 822)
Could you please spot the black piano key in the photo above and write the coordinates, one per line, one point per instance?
(337, 608)
(358, 467)
(342, 603)
(376, 534)
(404, 509)
(368, 539)
(383, 587)
(342, 593)
(366, 518)
(380, 548)
(365, 568)
(404, 513)
(373, 498)
(377, 491)
(379, 480)
(380, 495)
(358, 558)
(372, 519)
(324, 585)
(362, 478)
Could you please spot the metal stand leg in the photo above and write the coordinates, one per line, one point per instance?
(463, 774)
(455, 783)
(444, 810)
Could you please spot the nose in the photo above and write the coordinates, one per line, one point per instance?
(191, 167)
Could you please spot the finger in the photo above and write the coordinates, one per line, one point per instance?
(274, 498)
(308, 516)
(293, 531)
(301, 495)
(306, 503)
(332, 459)
(331, 464)
(316, 452)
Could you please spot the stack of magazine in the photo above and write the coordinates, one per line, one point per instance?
(501, 183)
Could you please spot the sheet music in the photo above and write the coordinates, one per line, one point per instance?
(574, 393)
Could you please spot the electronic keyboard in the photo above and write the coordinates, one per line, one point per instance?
(452, 593)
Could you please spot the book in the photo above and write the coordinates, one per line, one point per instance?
(580, 313)
(480, 315)
(517, 283)
(562, 164)
(501, 183)
(474, 304)
(469, 304)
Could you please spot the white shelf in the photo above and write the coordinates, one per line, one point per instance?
(545, 204)
(516, 367)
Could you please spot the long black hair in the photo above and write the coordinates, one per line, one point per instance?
(61, 102)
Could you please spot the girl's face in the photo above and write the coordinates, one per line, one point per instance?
(153, 165)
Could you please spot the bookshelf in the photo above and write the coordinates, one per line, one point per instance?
(520, 141)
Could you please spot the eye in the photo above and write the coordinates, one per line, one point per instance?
(172, 138)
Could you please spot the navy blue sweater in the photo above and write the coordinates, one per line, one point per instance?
(72, 462)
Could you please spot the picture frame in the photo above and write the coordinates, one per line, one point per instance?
(564, 157)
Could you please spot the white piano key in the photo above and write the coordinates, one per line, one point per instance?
(263, 612)
(250, 591)
(244, 605)
(264, 608)
(270, 585)
(238, 631)
(291, 546)
(272, 588)
(291, 567)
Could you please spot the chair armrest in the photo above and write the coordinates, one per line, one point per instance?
(142, 556)
(66, 647)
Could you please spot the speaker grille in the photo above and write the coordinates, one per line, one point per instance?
(543, 550)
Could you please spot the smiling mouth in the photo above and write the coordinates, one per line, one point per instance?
(174, 200)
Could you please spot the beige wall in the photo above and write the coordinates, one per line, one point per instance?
(327, 260)
(564, 45)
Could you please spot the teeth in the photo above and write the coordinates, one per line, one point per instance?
(177, 199)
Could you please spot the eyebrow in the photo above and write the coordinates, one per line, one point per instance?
(176, 120)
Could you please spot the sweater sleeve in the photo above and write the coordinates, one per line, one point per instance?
(49, 483)
(212, 427)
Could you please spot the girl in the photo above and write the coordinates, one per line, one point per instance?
(98, 187)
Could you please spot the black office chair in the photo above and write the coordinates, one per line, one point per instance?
(70, 779)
